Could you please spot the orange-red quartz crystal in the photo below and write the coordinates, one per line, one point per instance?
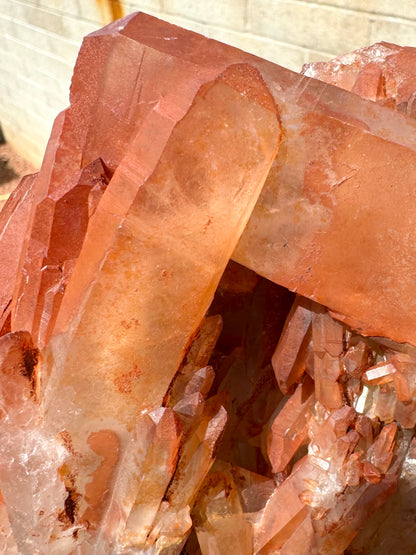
(207, 300)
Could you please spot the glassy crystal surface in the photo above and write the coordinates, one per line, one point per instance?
(207, 320)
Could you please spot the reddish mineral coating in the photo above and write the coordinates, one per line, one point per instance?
(105, 444)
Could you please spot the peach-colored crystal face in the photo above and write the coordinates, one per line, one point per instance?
(157, 396)
(325, 201)
(185, 220)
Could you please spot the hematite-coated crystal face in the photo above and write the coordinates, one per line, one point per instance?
(207, 307)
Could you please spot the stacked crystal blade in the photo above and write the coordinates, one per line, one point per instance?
(162, 390)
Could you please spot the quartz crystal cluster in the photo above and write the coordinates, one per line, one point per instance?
(207, 306)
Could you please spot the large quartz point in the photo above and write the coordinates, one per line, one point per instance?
(207, 309)
(317, 228)
(131, 321)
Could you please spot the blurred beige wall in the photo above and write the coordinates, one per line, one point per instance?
(40, 40)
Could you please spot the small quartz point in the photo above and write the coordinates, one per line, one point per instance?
(289, 358)
(285, 512)
(390, 528)
(155, 474)
(194, 375)
(356, 357)
(172, 524)
(382, 72)
(153, 523)
(230, 496)
(381, 373)
(290, 427)
(13, 221)
(58, 231)
(221, 525)
(327, 336)
(254, 489)
(124, 492)
(150, 515)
